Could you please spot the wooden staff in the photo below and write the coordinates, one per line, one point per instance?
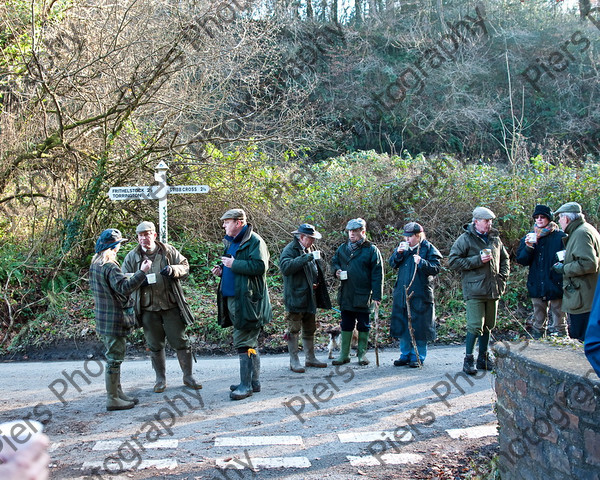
(408, 314)
(376, 321)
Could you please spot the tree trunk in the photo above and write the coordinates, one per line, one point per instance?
(309, 9)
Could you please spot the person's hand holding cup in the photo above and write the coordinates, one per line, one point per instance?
(486, 255)
(316, 254)
(561, 255)
(531, 239)
(402, 247)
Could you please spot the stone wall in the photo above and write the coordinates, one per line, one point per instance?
(548, 412)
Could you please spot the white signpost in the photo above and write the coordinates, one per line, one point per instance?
(156, 192)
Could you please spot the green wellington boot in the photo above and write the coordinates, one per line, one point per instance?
(185, 362)
(363, 344)
(113, 402)
(344, 349)
(159, 364)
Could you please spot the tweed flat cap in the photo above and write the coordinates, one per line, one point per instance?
(356, 223)
(483, 213)
(569, 207)
(235, 214)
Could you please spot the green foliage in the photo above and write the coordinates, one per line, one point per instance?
(439, 192)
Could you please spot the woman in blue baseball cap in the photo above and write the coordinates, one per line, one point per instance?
(114, 310)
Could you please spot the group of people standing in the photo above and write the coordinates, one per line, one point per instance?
(563, 272)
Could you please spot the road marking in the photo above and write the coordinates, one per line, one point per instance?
(385, 459)
(360, 437)
(266, 462)
(116, 444)
(160, 464)
(251, 441)
(479, 431)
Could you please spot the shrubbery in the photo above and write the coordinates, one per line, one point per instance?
(439, 192)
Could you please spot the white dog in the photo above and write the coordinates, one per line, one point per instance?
(334, 339)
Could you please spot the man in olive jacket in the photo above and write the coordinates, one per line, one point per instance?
(359, 266)
(483, 262)
(160, 305)
(304, 290)
(580, 267)
(242, 297)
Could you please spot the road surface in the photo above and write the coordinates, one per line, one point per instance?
(346, 422)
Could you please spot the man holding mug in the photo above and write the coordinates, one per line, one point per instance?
(304, 290)
(579, 267)
(538, 250)
(483, 262)
(160, 305)
(359, 266)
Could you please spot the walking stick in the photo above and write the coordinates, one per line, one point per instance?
(376, 321)
(408, 313)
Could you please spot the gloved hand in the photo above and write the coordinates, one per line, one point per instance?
(167, 271)
(559, 267)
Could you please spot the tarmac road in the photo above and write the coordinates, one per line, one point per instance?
(347, 422)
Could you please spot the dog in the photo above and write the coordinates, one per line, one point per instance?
(334, 339)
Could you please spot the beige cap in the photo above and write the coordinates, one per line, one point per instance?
(483, 213)
(145, 227)
(235, 214)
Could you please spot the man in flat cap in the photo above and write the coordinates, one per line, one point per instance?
(579, 267)
(160, 304)
(418, 262)
(242, 296)
(359, 266)
(537, 250)
(304, 290)
(483, 262)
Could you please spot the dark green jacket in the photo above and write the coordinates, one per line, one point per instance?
(582, 260)
(166, 255)
(299, 293)
(365, 276)
(252, 303)
(483, 281)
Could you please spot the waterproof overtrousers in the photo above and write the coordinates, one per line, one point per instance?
(293, 349)
(160, 367)
(112, 379)
(361, 349)
(255, 375)
(244, 389)
(344, 349)
(309, 353)
(185, 362)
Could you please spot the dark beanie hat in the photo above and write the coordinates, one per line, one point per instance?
(542, 210)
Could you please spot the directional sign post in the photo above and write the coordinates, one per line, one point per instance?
(156, 192)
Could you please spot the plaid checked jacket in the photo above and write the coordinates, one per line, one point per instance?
(111, 289)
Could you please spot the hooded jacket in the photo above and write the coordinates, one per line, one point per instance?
(484, 281)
